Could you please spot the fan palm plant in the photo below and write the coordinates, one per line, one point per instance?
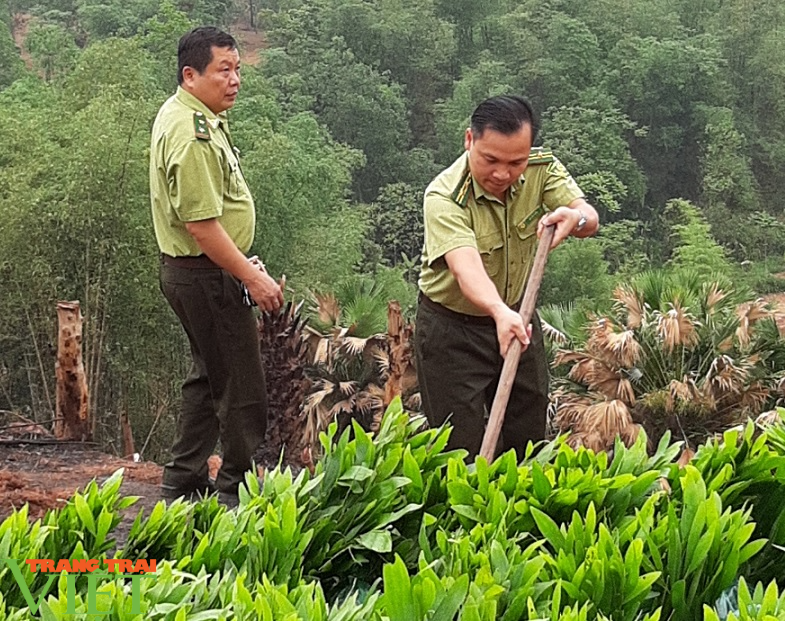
(674, 354)
(351, 365)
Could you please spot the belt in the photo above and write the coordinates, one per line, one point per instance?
(480, 320)
(201, 262)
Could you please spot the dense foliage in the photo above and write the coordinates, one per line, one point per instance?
(393, 528)
(669, 113)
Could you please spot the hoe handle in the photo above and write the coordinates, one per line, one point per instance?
(510, 367)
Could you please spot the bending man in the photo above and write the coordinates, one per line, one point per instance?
(482, 218)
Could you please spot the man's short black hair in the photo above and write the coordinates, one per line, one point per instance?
(196, 48)
(505, 114)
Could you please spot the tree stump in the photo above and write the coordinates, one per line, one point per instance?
(399, 337)
(72, 418)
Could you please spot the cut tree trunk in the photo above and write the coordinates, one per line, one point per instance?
(399, 337)
(72, 421)
(128, 437)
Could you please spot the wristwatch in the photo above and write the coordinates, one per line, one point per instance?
(581, 221)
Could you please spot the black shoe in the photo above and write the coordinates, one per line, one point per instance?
(230, 499)
(191, 493)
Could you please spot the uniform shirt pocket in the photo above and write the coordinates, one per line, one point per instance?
(491, 248)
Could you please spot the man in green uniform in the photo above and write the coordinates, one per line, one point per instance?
(204, 220)
(483, 215)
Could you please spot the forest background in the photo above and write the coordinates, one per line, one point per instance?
(669, 113)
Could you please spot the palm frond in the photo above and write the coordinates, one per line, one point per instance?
(626, 297)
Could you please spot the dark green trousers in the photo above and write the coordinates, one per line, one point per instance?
(458, 368)
(224, 394)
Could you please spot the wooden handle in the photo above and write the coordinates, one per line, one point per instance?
(492, 431)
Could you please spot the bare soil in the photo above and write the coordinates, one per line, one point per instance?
(45, 475)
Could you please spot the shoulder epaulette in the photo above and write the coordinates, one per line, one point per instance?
(461, 193)
(201, 129)
(538, 155)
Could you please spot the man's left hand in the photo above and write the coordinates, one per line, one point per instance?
(565, 219)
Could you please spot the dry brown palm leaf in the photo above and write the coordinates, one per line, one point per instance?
(583, 371)
(570, 412)
(382, 359)
(623, 347)
(714, 297)
(557, 336)
(322, 352)
(679, 392)
(414, 402)
(726, 376)
(322, 390)
(565, 356)
(607, 418)
(629, 434)
(767, 419)
(754, 397)
(749, 314)
(627, 297)
(676, 328)
(348, 387)
(587, 439)
(707, 398)
(353, 345)
(344, 406)
(625, 392)
(328, 310)
(370, 399)
(726, 345)
(604, 380)
(598, 334)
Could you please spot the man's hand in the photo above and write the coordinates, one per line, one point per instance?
(564, 219)
(509, 326)
(216, 244)
(267, 293)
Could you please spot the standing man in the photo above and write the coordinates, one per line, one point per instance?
(204, 220)
(482, 219)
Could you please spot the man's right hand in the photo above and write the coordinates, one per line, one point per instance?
(267, 293)
(509, 326)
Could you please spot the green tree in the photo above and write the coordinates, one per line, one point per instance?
(486, 79)
(658, 83)
(11, 66)
(593, 142)
(577, 274)
(52, 48)
(396, 225)
(358, 105)
(696, 250)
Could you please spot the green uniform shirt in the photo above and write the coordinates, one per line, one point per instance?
(459, 213)
(195, 175)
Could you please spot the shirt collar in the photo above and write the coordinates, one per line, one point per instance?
(186, 98)
(479, 191)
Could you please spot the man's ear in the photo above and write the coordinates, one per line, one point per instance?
(467, 139)
(188, 74)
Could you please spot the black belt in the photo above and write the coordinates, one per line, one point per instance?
(201, 262)
(480, 320)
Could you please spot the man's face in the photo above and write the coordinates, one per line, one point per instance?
(496, 160)
(218, 86)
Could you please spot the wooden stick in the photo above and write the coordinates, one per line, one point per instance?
(513, 357)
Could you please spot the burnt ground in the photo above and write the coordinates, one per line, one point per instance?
(45, 476)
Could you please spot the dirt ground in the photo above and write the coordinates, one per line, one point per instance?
(46, 475)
